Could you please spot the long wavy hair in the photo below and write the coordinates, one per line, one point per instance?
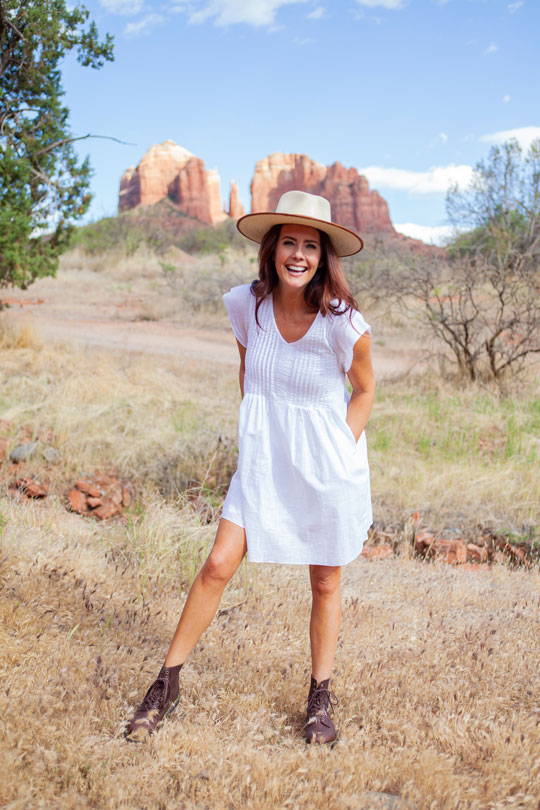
(327, 285)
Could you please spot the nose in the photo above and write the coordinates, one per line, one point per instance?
(299, 251)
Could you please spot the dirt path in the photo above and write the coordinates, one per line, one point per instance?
(61, 310)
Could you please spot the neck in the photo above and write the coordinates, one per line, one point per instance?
(290, 301)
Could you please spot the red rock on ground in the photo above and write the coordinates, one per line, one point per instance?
(377, 552)
(77, 501)
(107, 510)
(423, 541)
(102, 496)
(477, 553)
(88, 488)
(517, 553)
(30, 487)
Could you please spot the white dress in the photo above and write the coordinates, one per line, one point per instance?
(301, 489)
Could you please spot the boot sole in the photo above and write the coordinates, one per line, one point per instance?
(168, 712)
(315, 741)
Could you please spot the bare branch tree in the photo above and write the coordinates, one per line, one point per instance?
(481, 300)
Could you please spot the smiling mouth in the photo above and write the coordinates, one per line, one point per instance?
(295, 269)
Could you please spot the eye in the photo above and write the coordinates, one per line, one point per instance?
(288, 242)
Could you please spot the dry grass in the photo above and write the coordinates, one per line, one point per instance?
(17, 337)
(174, 285)
(437, 677)
(149, 420)
(437, 668)
(460, 456)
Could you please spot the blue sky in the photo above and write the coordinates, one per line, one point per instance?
(411, 92)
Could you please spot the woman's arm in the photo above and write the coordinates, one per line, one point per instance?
(362, 380)
(242, 370)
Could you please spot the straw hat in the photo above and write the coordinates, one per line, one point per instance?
(301, 208)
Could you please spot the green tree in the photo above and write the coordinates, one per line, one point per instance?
(500, 209)
(43, 185)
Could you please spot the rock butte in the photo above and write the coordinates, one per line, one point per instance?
(353, 204)
(167, 170)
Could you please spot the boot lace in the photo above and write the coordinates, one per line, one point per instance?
(154, 697)
(321, 700)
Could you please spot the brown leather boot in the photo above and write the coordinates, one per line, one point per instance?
(319, 728)
(160, 701)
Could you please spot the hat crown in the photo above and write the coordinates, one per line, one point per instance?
(302, 204)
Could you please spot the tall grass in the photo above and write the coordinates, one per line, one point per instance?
(464, 456)
(436, 667)
(435, 677)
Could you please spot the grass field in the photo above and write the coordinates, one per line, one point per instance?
(437, 669)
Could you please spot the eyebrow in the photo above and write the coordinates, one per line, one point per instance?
(309, 239)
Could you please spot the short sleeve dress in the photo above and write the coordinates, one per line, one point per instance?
(301, 489)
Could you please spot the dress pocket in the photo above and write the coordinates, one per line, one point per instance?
(348, 432)
(352, 437)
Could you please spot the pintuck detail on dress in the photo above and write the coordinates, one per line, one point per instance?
(301, 489)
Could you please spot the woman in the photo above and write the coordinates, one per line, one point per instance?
(301, 491)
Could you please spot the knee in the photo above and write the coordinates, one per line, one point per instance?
(217, 569)
(326, 584)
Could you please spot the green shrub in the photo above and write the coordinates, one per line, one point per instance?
(212, 238)
(159, 227)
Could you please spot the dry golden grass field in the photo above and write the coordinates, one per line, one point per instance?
(437, 667)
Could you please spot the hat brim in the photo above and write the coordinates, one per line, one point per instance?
(344, 241)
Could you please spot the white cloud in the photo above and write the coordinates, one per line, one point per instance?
(134, 29)
(122, 6)
(524, 135)
(513, 7)
(391, 4)
(254, 12)
(435, 181)
(505, 99)
(430, 234)
(317, 13)
(443, 137)
(491, 48)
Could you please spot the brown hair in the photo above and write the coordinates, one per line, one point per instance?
(328, 283)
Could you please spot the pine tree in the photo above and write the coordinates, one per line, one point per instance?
(43, 185)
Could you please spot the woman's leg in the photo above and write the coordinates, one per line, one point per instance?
(205, 594)
(325, 618)
(323, 633)
(199, 610)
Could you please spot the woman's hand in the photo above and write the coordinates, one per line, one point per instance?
(362, 380)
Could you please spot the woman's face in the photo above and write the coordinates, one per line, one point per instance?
(297, 256)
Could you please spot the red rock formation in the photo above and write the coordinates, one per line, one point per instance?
(236, 209)
(197, 192)
(353, 203)
(169, 170)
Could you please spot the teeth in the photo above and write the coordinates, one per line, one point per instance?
(294, 267)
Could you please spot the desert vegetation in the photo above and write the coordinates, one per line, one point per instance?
(478, 301)
(121, 374)
(437, 663)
